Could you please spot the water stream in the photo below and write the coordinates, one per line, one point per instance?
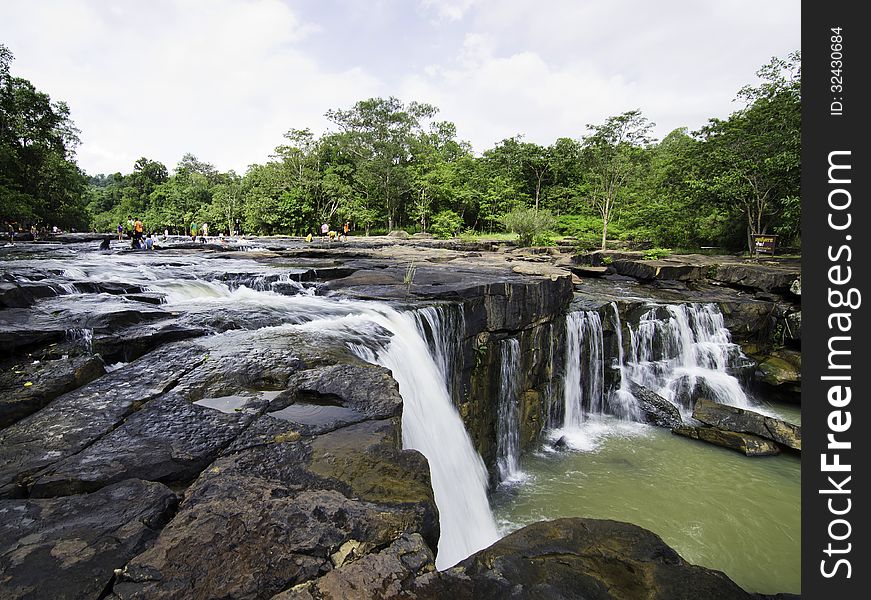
(508, 419)
(221, 294)
(717, 508)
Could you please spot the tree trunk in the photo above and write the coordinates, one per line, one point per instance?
(605, 233)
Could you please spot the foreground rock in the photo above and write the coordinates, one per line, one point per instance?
(284, 510)
(68, 548)
(77, 419)
(740, 420)
(656, 410)
(387, 574)
(745, 443)
(27, 386)
(579, 558)
(780, 373)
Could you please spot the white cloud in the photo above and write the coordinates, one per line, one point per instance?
(451, 10)
(225, 79)
(222, 79)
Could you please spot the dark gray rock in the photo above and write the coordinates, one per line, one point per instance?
(779, 277)
(276, 514)
(133, 342)
(655, 409)
(578, 558)
(26, 387)
(368, 389)
(68, 548)
(77, 419)
(169, 440)
(658, 269)
(747, 444)
(386, 574)
(740, 420)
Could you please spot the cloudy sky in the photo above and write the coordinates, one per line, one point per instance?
(224, 79)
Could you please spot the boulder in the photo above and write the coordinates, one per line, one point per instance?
(400, 234)
(77, 419)
(589, 271)
(280, 509)
(781, 368)
(386, 574)
(780, 277)
(29, 385)
(655, 409)
(747, 444)
(578, 558)
(68, 548)
(169, 440)
(659, 269)
(740, 420)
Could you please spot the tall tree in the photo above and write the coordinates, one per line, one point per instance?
(529, 163)
(752, 160)
(614, 152)
(39, 179)
(381, 135)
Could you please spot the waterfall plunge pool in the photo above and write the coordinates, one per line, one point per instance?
(717, 508)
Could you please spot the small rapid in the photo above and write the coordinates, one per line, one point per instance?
(219, 295)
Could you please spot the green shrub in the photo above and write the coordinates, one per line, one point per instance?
(529, 224)
(446, 224)
(656, 253)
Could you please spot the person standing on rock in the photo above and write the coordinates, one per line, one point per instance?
(325, 230)
(120, 231)
(137, 229)
(194, 231)
(205, 231)
(346, 229)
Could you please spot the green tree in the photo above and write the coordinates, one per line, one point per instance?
(381, 135)
(752, 160)
(39, 179)
(614, 154)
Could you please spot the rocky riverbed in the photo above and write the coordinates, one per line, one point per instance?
(199, 421)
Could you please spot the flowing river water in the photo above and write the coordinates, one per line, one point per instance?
(717, 508)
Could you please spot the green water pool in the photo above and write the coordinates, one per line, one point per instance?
(716, 507)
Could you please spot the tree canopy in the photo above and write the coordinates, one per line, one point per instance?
(39, 179)
(386, 164)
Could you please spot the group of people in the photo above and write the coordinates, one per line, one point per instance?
(134, 230)
(330, 234)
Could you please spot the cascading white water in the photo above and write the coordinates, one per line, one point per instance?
(431, 425)
(195, 297)
(584, 374)
(443, 326)
(83, 337)
(508, 424)
(621, 401)
(683, 350)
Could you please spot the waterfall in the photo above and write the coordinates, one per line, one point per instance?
(584, 374)
(444, 327)
(83, 337)
(685, 351)
(621, 401)
(432, 425)
(508, 421)
(376, 332)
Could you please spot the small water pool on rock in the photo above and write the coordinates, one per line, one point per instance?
(717, 508)
(317, 414)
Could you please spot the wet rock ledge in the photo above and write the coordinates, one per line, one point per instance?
(268, 463)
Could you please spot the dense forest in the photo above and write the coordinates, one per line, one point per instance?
(386, 164)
